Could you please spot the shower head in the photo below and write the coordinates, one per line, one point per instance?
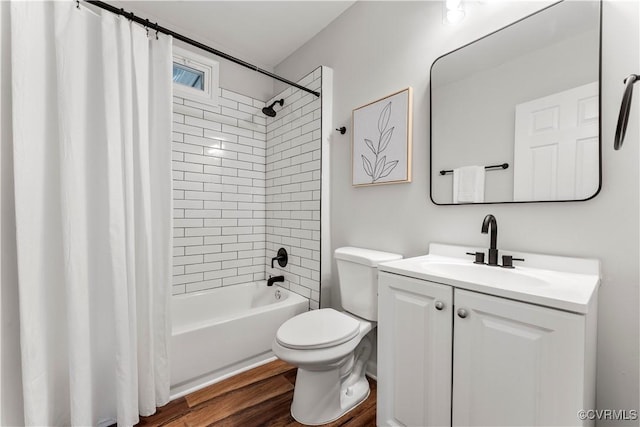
(269, 111)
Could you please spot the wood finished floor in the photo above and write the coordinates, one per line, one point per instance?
(258, 397)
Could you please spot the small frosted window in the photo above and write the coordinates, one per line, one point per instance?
(195, 77)
(188, 76)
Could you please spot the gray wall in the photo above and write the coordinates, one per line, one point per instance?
(376, 48)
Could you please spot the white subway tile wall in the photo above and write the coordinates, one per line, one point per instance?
(244, 188)
(293, 177)
(219, 157)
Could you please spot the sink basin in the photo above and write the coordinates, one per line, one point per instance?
(478, 273)
(548, 280)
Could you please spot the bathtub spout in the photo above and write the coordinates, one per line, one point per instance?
(272, 280)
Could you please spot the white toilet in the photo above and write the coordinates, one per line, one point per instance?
(331, 348)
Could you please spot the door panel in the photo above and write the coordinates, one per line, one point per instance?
(414, 352)
(556, 149)
(515, 363)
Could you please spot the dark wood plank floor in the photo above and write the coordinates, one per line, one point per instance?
(259, 397)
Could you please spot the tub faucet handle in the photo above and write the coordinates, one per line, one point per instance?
(282, 257)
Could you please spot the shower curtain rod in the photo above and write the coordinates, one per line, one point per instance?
(158, 28)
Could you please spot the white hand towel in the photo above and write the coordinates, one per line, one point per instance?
(468, 184)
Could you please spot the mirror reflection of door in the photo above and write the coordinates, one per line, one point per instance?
(556, 152)
(535, 63)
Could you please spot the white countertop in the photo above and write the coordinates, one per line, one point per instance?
(558, 282)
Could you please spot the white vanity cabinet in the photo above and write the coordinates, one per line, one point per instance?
(454, 356)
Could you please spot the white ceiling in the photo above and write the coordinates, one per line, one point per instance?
(263, 33)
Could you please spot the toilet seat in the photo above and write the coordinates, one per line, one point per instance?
(317, 329)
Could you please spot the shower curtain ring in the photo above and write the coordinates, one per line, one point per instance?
(156, 31)
(77, 4)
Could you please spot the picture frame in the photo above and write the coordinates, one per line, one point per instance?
(381, 140)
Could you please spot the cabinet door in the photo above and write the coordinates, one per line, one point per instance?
(414, 352)
(516, 363)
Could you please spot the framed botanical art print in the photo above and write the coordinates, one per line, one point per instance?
(381, 140)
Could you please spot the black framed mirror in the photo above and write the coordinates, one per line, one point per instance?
(515, 115)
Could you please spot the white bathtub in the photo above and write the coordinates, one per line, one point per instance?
(220, 332)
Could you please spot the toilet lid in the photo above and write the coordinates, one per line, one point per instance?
(317, 329)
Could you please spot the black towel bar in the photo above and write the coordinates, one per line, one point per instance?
(490, 167)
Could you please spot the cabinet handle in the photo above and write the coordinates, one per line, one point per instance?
(439, 305)
(462, 313)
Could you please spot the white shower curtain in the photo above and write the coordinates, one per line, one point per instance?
(91, 118)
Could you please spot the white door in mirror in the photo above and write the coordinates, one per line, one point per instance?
(556, 149)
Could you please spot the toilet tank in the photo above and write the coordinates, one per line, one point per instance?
(358, 279)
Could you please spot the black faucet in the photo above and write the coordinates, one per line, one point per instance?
(490, 221)
(274, 279)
